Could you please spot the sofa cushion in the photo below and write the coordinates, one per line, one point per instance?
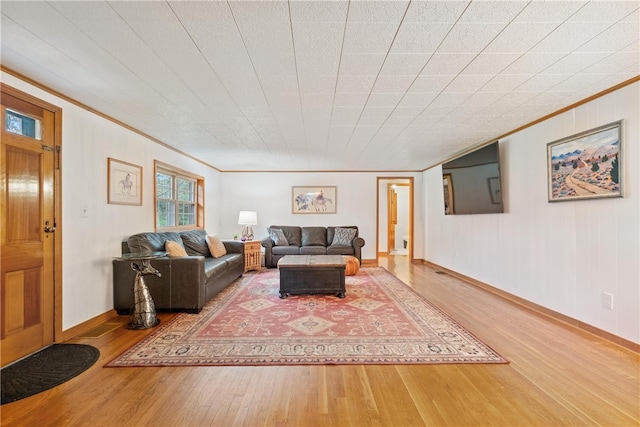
(340, 250)
(313, 250)
(314, 236)
(216, 247)
(214, 266)
(343, 236)
(234, 260)
(285, 250)
(195, 242)
(174, 249)
(278, 237)
(151, 242)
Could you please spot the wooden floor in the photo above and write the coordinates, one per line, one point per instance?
(557, 376)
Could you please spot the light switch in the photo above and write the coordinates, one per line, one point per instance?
(84, 211)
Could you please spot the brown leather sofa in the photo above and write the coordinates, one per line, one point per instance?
(186, 283)
(309, 241)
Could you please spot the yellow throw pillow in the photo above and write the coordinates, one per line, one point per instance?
(174, 248)
(216, 247)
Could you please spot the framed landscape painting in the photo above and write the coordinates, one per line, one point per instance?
(124, 183)
(313, 200)
(587, 165)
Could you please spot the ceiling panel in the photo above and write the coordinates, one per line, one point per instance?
(447, 63)
(491, 63)
(570, 36)
(362, 37)
(493, 11)
(470, 37)
(404, 64)
(532, 63)
(435, 11)
(420, 37)
(542, 12)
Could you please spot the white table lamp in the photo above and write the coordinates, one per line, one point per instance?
(247, 218)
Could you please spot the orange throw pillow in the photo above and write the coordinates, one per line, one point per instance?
(216, 247)
(174, 249)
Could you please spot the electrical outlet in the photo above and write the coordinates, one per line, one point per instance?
(607, 300)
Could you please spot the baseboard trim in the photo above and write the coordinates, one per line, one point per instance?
(369, 263)
(88, 325)
(538, 309)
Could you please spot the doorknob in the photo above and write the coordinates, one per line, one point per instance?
(48, 229)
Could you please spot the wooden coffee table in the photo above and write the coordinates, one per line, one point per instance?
(312, 274)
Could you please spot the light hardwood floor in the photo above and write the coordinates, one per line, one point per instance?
(558, 376)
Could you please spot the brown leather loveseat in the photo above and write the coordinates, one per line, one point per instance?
(186, 283)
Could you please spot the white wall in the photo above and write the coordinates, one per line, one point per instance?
(269, 194)
(564, 255)
(89, 244)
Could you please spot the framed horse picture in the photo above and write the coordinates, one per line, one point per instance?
(313, 200)
(124, 183)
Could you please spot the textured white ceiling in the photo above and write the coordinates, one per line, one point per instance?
(323, 85)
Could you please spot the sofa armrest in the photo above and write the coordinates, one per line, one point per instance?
(267, 243)
(188, 280)
(357, 244)
(124, 277)
(181, 283)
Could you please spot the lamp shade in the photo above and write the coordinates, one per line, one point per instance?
(247, 218)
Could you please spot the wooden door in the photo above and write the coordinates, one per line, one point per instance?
(27, 233)
(392, 204)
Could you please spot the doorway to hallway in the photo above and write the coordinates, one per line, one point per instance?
(395, 219)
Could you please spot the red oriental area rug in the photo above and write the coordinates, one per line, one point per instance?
(381, 321)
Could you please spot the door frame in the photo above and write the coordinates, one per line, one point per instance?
(57, 201)
(411, 208)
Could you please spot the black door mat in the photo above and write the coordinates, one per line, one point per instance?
(45, 369)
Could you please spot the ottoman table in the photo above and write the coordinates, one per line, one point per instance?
(312, 274)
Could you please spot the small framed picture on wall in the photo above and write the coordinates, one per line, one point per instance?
(124, 183)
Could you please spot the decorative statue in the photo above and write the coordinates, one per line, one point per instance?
(144, 313)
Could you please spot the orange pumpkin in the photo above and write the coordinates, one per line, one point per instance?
(353, 265)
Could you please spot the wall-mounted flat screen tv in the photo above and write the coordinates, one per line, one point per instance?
(472, 182)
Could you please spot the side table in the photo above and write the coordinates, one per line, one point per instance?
(144, 311)
(252, 255)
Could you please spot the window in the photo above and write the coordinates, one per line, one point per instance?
(179, 199)
(20, 124)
